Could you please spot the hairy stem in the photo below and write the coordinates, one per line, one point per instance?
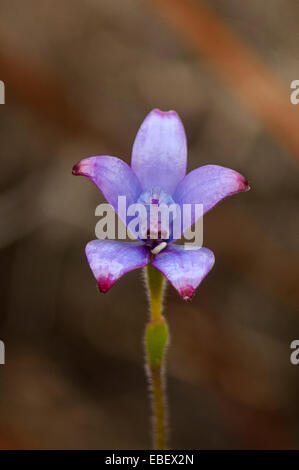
(159, 407)
(156, 340)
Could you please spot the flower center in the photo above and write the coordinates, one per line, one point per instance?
(156, 226)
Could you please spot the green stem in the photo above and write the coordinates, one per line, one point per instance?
(156, 340)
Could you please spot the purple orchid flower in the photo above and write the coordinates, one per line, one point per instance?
(157, 174)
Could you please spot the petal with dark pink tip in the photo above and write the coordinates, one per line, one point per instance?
(110, 260)
(159, 154)
(184, 269)
(208, 185)
(113, 177)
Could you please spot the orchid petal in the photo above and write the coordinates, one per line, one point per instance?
(113, 177)
(110, 260)
(159, 154)
(208, 185)
(184, 269)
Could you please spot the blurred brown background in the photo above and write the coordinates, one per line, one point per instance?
(80, 77)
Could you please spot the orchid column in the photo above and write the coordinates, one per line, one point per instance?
(157, 177)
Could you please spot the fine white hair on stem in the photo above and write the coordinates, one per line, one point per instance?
(145, 282)
(162, 375)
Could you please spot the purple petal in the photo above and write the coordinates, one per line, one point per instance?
(208, 185)
(112, 176)
(110, 260)
(184, 269)
(159, 155)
